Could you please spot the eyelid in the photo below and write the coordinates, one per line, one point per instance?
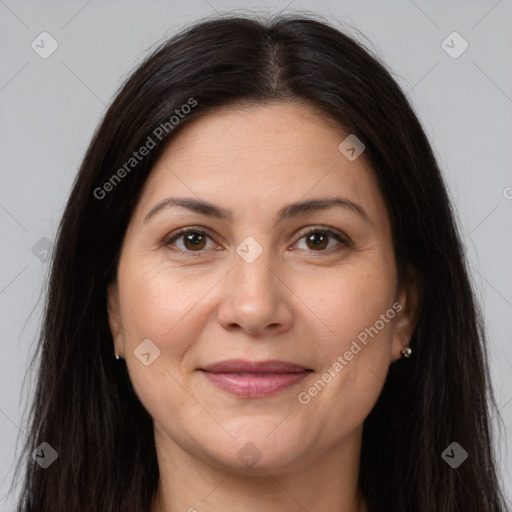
(324, 229)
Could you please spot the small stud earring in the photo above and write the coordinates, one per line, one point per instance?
(116, 354)
(406, 351)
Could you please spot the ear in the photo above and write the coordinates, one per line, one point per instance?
(408, 309)
(114, 317)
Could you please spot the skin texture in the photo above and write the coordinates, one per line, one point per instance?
(295, 302)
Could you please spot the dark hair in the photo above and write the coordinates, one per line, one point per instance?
(84, 405)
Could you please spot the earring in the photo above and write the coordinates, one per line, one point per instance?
(116, 355)
(406, 351)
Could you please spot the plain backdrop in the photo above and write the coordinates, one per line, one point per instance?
(50, 108)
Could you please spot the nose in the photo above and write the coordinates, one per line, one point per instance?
(256, 298)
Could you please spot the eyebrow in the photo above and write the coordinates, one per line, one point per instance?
(290, 211)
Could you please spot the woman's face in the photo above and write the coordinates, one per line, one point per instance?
(237, 277)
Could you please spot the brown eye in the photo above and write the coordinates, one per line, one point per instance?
(319, 240)
(188, 241)
(194, 240)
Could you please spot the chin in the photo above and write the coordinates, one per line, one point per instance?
(255, 455)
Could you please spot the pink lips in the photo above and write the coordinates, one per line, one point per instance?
(250, 379)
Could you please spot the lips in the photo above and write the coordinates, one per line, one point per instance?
(242, 366)
(254, 379)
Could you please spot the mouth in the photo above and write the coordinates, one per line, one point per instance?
(254, 379)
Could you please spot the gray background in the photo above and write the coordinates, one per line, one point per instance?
(50, 108)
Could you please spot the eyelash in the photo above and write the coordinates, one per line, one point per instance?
(315, 229)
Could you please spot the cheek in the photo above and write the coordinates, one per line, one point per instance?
(161, 303)
(352, 299)
(355, 307)
(158, 305)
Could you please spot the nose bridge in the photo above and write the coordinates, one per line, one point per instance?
(254, 297)
(252, 272)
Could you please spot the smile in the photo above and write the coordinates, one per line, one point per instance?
(254, 379)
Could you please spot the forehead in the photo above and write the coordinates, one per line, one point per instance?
(259, 157)
(256, 130)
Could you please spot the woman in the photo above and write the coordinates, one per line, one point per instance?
(258, 297)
